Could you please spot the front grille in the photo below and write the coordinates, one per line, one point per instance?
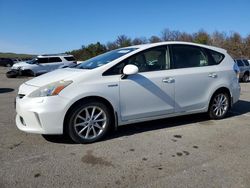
(20, 96)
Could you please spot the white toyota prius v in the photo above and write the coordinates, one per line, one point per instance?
(128, 85)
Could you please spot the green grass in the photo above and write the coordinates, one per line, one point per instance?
(14, 55)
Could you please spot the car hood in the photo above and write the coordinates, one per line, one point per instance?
(54, 76)
(20, 64)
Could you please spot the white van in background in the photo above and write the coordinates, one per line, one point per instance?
(43, 64)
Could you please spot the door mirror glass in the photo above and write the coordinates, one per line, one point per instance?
(130, 69)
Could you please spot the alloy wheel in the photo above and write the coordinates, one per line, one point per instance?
(90, 122)
(220, 105)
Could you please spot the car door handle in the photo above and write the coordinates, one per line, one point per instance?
(168, 80)
(212, 75)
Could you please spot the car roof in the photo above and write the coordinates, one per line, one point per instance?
(142, 46)
(54, 55)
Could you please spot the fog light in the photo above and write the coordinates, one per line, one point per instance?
(22, 121)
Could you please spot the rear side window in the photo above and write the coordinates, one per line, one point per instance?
(187, 56)
(54, 59)
(69, 58)
(246, 62)
(217, 57)
(43, 60)
(239, 63)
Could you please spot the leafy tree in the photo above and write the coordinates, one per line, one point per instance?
(168, 35)
(154, 39)
(234, 43)
(201, 37)
(138, 41)
(123, 41)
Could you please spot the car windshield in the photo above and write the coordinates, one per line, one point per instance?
(104, 58)
(33, 61)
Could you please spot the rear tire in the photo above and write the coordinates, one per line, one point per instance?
(219, 105)
(89, 122)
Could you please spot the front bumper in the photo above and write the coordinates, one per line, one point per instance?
(42, 115)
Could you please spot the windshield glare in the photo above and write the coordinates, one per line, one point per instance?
(104, 58)
(33, 61)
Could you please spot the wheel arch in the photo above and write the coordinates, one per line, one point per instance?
(91, 98)
(224, 90)
(247, 73)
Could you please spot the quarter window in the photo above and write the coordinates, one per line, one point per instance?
(70, 58)
(217, 57)
(246, 62)
(239, 63)
(185, 56)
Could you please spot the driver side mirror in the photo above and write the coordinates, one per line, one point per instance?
(129, 70)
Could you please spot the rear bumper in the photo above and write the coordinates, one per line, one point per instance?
(235, 95)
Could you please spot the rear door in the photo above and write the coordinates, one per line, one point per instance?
(195, 74)
(54, 63)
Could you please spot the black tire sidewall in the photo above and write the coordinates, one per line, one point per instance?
(211, 113)
(70, 123)
(11, 74)
(245, 78)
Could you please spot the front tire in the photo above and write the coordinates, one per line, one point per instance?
(89, 122)
(11, 74)
(219, 105)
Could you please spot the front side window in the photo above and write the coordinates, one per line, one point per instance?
(154, 59)
(54, 59)
(43, 60)
(186, 56)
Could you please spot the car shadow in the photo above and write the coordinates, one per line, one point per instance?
(6, 90)
(240, 108)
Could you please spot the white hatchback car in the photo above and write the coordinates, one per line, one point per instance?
(128, 85)
(44, 63)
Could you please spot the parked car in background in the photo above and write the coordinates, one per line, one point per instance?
(6, 62)
(43, 64)
(16, 60)
(244, 66)
(129, 85)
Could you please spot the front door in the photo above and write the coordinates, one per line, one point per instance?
(150, 92)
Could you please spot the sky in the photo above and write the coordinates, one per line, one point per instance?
(54, 26)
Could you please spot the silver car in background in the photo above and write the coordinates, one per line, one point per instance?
(244, 67)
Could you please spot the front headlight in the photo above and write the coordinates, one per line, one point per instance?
(50, 89)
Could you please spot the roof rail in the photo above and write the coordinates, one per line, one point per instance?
(59, 54)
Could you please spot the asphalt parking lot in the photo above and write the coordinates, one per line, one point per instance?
(190, 151)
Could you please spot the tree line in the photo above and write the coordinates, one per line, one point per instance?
(236, 45)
